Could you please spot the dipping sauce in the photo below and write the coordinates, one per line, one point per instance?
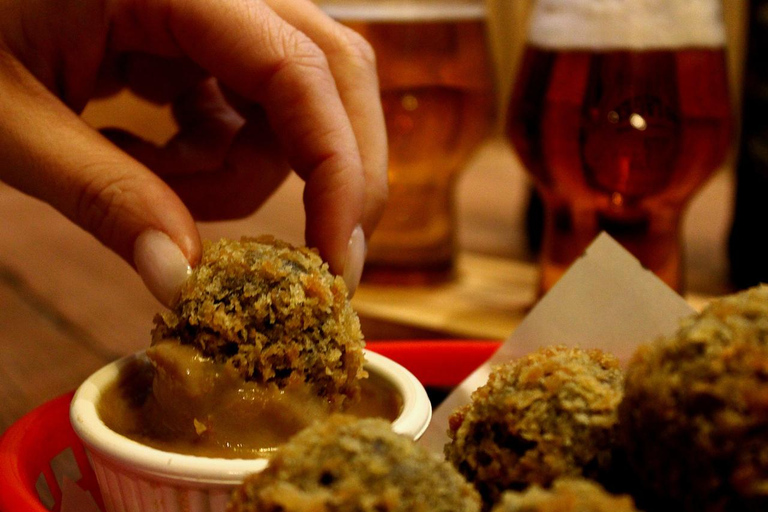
(174, 399)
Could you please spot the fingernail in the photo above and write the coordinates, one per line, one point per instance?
(161, 265)
(353, 265)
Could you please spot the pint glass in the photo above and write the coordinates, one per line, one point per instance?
(620, 112)
(438, 98)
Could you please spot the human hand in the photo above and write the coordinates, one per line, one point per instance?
(257, 87)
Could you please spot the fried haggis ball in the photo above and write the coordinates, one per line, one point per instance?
(347, 464)
(274, 313)
(565, 495)
(547, 415)
(694, 418)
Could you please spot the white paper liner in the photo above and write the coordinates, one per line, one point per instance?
(605, 300)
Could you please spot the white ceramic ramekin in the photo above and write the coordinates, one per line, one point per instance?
(137, 478)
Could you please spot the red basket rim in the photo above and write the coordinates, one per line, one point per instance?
(18, 446)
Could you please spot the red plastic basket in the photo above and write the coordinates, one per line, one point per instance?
(40, 451)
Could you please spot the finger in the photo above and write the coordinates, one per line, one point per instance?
(231, 191)
(154, 78)
(264, 59)
(353, 64)
(207, 125)
(221, 166)
(95, 185)
(160, 79)
(251, 172)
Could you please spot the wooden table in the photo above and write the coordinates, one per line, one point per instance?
(68, 306)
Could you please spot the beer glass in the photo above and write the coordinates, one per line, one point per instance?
(620, 112)
(438, 98)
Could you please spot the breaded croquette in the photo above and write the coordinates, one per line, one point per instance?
(694, 418)
(354, 465)
(550, 414)
(565, 495)
(273, 312)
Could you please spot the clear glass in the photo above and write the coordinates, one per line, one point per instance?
(437, 91)
(620, 112)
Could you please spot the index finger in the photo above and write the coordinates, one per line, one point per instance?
(266, 60)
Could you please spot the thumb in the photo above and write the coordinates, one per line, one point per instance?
(50, 153)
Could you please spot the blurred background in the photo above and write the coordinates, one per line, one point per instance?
(44, 254)
(65, 298)
(492, 193)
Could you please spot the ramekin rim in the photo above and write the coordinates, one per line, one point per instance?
(139, 458)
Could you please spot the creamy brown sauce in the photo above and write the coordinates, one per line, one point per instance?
(188, 404)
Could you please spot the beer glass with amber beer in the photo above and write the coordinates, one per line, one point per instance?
(438, 98)
(620, 112)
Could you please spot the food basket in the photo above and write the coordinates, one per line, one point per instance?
(40, 454)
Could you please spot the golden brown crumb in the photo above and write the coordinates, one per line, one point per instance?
(273, 312)
(695, 415)
(565, 495)
(354, 465)
(546, 415)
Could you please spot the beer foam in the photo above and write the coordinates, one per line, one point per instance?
(397, 11)
(627, 24)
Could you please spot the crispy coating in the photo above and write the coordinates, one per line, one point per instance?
(354, 465)
(565, 495)
(273, 312)
(552, 413)
(695, 413)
